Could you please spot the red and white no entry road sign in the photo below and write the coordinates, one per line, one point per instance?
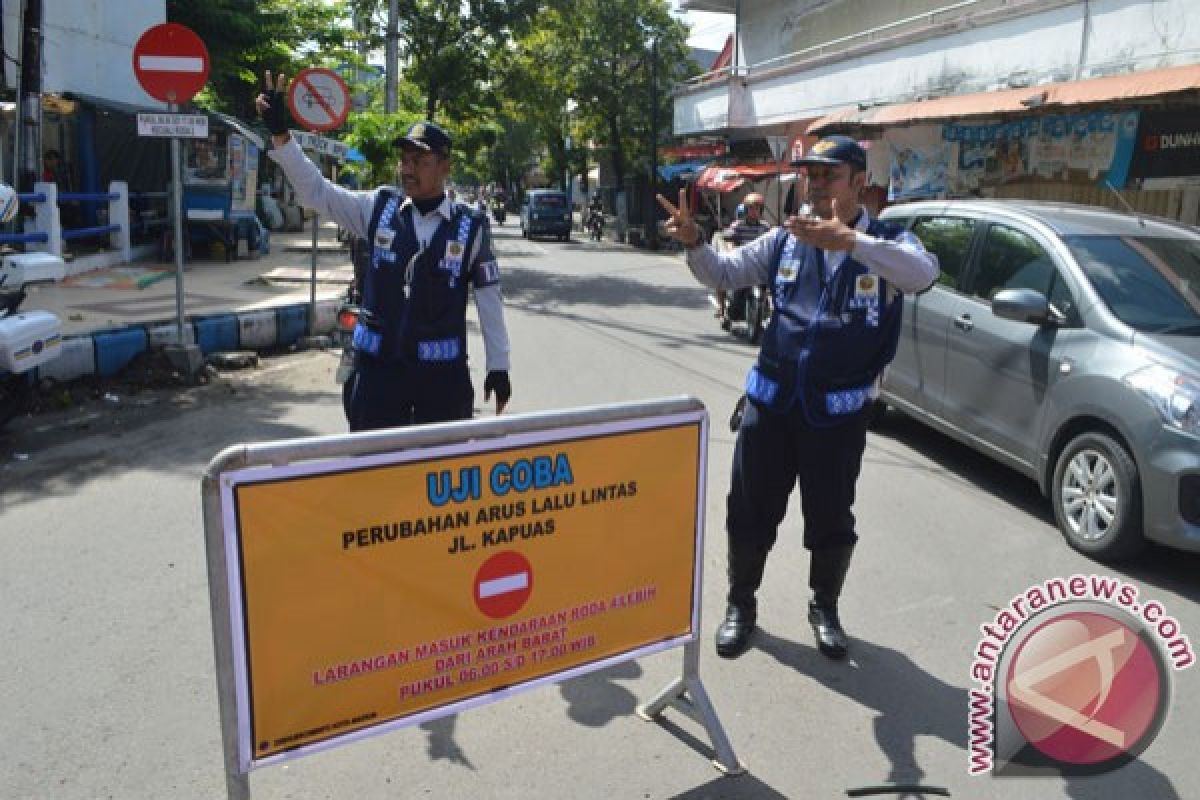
(503, 584)
(319, 99)
(170, 62)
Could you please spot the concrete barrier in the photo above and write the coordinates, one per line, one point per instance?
(106, 353)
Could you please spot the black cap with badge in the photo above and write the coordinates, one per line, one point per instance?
(425, 136)
(835, 149)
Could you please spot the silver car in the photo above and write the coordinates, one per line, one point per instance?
(1064, 341)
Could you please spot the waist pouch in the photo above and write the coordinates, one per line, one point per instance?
(772, 383)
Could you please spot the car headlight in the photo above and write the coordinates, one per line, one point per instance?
(1174, 394)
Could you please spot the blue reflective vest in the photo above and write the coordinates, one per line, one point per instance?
(416, 300)
(829, 337)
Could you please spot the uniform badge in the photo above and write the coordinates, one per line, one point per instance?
(454, 251)
(787, 271)
(866, 292)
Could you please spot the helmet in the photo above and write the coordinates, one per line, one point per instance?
(754, 199)
(8, 203)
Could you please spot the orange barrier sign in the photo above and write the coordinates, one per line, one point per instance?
(374, 592)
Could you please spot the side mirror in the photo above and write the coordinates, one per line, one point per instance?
(1025, 305)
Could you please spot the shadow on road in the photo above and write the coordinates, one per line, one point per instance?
(1159, 566)
(53, 454)
(596, 699)
(542, 289)
(908, 701)
(964, 464)
(733, 787)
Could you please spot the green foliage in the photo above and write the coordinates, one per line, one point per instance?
(247, 37)
(606, 56)
(498, 74)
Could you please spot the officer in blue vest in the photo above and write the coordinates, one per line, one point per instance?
(425, 251)
(837, 279)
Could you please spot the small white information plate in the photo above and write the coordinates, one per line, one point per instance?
(183, 126)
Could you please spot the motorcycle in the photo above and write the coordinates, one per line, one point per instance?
(595, 225)
(751, 307)
(28, 339)
(348, 314)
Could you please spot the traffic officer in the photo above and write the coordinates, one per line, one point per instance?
(837, 279)
(411, 339)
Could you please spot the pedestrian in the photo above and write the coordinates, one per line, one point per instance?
(411, 339)
(837, 279)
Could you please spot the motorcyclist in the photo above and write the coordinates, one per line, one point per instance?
(747, 227)
(595, 213)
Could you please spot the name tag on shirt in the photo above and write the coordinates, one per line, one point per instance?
(384, 237)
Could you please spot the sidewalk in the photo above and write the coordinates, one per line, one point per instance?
(143, 293)
(114, 314)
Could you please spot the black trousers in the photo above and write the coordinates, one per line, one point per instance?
(774, 452)
(395, 394)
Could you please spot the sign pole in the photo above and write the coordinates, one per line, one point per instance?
(171, 64)
(177, 210)
(312, 284)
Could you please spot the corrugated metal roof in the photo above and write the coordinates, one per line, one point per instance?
(1109, 89)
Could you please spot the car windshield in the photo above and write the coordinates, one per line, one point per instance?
(549, 200)
(1151, 284)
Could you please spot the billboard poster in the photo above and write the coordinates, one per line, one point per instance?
(1093, 147)
(1167, 155)
(920, 164)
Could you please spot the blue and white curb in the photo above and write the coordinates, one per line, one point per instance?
(105, 353)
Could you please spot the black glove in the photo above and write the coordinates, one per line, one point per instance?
(276, 116)
(497, 381)
(739, 411)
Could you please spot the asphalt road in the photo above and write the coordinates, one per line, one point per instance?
(106, 664)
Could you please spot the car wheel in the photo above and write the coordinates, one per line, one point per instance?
(1097, 497)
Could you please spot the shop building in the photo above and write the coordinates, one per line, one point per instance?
(1050, 99)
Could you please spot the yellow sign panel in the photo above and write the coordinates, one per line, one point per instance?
(373, 593)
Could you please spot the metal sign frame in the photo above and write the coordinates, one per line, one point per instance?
(686, 693)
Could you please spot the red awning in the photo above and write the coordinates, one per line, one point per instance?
(1057, 96)
(697, 150)
(730, 177)
(720, 179)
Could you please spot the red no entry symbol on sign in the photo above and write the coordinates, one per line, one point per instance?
(170, 62)
(319, 99)
(503, 584)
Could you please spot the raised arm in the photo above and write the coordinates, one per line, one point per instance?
(350, 209)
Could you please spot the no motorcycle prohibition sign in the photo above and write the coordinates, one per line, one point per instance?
(171, 63)
(503, 584)
(319, 99)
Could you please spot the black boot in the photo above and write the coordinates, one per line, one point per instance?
(733, 635)
(745, 575)
(827, 574)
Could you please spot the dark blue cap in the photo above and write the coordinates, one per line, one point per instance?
(425, 136)
(835, 149)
